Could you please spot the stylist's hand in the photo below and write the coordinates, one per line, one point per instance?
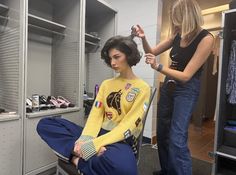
(77, 149)
(138, 31)
(151, 59)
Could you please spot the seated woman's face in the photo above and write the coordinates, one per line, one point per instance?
(118, 60)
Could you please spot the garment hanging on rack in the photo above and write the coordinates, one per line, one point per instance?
(231, 79)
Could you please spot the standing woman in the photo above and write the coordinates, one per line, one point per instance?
(190, 47)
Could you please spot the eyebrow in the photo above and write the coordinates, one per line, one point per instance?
(117, 54)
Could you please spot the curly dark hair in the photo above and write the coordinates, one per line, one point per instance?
(125, 45)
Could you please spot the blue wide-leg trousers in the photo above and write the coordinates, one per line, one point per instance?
(61, 134)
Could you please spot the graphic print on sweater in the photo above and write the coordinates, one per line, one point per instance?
(113, 101)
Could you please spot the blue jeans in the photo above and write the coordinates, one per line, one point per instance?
(174, 113)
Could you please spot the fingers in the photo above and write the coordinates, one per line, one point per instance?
(101, 151)
(77, 149)
(151, 59)
(137, 31)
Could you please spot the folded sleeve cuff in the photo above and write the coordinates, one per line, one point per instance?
(88, 150)
(84, 138)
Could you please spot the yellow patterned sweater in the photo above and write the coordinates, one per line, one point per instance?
(118, 108)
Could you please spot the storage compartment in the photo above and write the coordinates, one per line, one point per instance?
(11, 148)
(100, 25)
(226, 166)
(53, 49)
(53, 69)
(230, 136)
(10, 57)
(226, 118)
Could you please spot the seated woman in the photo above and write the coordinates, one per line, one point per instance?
(107, 143)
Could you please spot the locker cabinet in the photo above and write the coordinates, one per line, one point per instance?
(52, 68)
(225, 145)
(11, 85)
(47, 47)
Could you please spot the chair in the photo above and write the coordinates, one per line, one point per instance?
(64, 168)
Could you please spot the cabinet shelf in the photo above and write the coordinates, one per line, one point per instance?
(3, 8)
(8, 117)
(227, 150)
(45, 24)
(92, 43)
(49, 112)
(90, 37)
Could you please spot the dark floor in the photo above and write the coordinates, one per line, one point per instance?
(149, 162)
(201, 142)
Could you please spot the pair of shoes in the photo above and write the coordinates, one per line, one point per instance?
(29, 106)
(2, 110)
(56, 103)
(44, 103)
(60, 102)
(65, 101)
(157, 172)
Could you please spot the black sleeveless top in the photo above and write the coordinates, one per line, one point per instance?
(181, 56)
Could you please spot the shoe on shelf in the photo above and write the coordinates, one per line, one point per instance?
(45, 103)
(2, 110)
(57, 103)
(29, 105)
(65, 101)
(29, 102)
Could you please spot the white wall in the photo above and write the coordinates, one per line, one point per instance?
(145, 13)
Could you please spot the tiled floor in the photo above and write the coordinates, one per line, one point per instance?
(201, 141)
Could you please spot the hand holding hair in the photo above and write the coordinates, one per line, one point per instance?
(137, 31)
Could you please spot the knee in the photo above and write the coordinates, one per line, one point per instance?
(119, 162)
(178, 140)
(42, 124)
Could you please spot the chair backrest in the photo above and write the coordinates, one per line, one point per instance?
(140, 139)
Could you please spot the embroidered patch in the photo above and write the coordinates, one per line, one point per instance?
(130, 96)
(136, 90)
(98, 104)
(109, 115)
(138, 121)
(127, 134)
(128, 85)
(145, 106)
(113, 101)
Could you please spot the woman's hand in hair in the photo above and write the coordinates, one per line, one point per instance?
(151, 59)
(138, 31)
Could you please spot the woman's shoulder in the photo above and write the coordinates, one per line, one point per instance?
(143, 84)
(204, 32)
(107, 81)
